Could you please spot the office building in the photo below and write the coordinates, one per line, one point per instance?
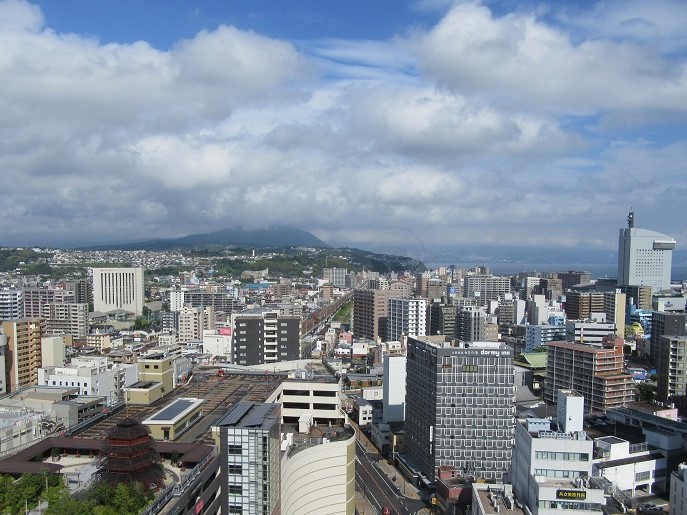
(644, 257)
(539, 335)
(118, 289)
(11, 304)
(23, 355)
(552, 463)
(370, 310)
(459, 407)
(265, 337)
(595, 373)
(249, 449)
(406, 317)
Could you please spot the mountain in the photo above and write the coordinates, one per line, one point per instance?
(276, 236)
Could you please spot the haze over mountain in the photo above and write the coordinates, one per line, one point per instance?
(277, 236)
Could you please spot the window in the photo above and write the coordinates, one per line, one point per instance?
(235, 490)
(235, 509)
(643, 476)
(234, 449)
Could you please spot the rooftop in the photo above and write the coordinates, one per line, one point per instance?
(251, 414)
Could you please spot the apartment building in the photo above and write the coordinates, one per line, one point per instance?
(66, 318)
(595, 373)
(23, 355)
(11, 304)
(36, 298)
(370, 311)
(265, 337)
(671, 368)
(406, 317)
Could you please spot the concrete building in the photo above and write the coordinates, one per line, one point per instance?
(394, 388)
(220, 301)
(335, 276)
(219, 342)
(671, 368)
(580, 305)
(595, 373)
(639, 296)
(53, 351)
(406, 317)
(175, 419)
(471, 324)
(118, 288)
(318, 470)
(193, 321)
(644, 257)
(36, 298)
(459, 407)
(66, 318)
(11, 304)
(551, 463)
(678, 490)
(442, 319)
(249, 449)
(94, 376)
(588, 332)
(316, 398)
(23, 355)
(539, 335)
(370, 311)
(83, 290)
(571, 278)
(265, 337)
(485, 287)
(665, 324)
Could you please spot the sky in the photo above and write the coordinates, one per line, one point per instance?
(409, 124)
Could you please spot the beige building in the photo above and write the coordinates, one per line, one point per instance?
(173, 420)
(118, 288)
(192, 323)
(23, 355)
(317, 398)
(69, 318)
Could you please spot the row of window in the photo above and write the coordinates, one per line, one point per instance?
(564, 456)
(555, 473)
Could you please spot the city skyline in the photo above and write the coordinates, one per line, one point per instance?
(388, 124)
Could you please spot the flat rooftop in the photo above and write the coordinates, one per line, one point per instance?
(175, 411)
(251, 415)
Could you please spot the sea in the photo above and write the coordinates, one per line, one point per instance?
(596, 270)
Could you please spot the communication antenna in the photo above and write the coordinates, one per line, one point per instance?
(631, 219)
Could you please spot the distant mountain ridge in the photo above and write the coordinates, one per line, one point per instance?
(277, 236)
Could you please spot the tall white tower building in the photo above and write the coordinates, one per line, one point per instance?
(644, 257)
(118, 288)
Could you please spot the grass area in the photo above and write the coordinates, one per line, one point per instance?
(344, 314)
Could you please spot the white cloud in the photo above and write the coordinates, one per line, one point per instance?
(537, 128)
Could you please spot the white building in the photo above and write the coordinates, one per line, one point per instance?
(218, 342)
(53, 351)
(551, 465)
(394, 387)
(644, 257)
(630, 467)
(176, 300)
(318, 398)
(93, 376)
(588, 332)
(11, 304)
(118, 288)
(540, 334)
(406, 317)
(678, 490)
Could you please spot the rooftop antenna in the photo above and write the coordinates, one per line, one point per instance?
(631, 219)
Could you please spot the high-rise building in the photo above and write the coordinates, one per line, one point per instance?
(644, 257)
(66, 318)
(335, 276)
(394, 388)
(459, 406)
(595, 373)
(11, 304)
(671, 363)
(638, 296)
(265, 337)
(192, 322)
(370, 310)
(23, 351)
(579, 305)
(118, 288)
(249, 449)
(406, 317)
(442, 319)
(588, 332)
(485, 287)
(665, 324)
(471, 324)
(36, 298)
(571, 279)
(83, 291)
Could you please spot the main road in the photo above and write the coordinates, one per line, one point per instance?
(378, 488)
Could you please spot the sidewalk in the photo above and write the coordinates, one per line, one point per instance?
(362, 505)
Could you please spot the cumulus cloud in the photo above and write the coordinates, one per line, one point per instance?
(523, 127)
